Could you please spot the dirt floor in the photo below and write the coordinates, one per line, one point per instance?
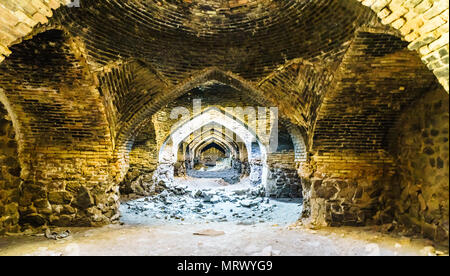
(236, 240)
(206, 218)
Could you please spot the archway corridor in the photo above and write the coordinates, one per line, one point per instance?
(224, 127)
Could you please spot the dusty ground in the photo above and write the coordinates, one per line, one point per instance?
(238, 240)
(141, 233)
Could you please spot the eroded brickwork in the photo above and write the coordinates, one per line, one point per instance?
(65, 146)
(424, 24)
(9, 175)
(419, 142)
(284, 180)
(143, 162)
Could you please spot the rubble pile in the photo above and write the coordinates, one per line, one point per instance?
(180, 203)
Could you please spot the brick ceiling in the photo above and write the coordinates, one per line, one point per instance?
(294, 54)
(250, 38)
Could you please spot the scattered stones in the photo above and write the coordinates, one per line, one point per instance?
(246, 206)
(229, 176)
(249, 203)
(55, 235)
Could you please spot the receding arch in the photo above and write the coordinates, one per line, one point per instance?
(125, 136)
(212, 115)
(169, 149)
(238, 150)
(225, 148)
(213, 133)
(197, 147)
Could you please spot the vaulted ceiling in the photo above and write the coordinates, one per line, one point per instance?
(250, 39)
(292, 54)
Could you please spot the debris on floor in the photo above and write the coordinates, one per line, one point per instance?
(244, 205)
(209, 232)
(55, 235)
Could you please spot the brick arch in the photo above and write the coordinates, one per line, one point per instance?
(215, 139)
(215, 116)
(348, 144)
(298, 136)
(65, 146)
(217, 134)
(214, 134)
(19, 19)
(424, 25)
(240, 150)
(169, 150)
(209, 141)
(126, 134)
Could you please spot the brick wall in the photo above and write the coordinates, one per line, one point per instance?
(65, 146)
(283, 180)
(143, 162)
(348, 175)
(424, 25)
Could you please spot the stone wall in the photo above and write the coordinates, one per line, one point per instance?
(143, 162)
(419, 142)
(283, 180)
(347, 188)
(9, 175)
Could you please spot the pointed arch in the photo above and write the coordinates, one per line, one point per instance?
(218, 117)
